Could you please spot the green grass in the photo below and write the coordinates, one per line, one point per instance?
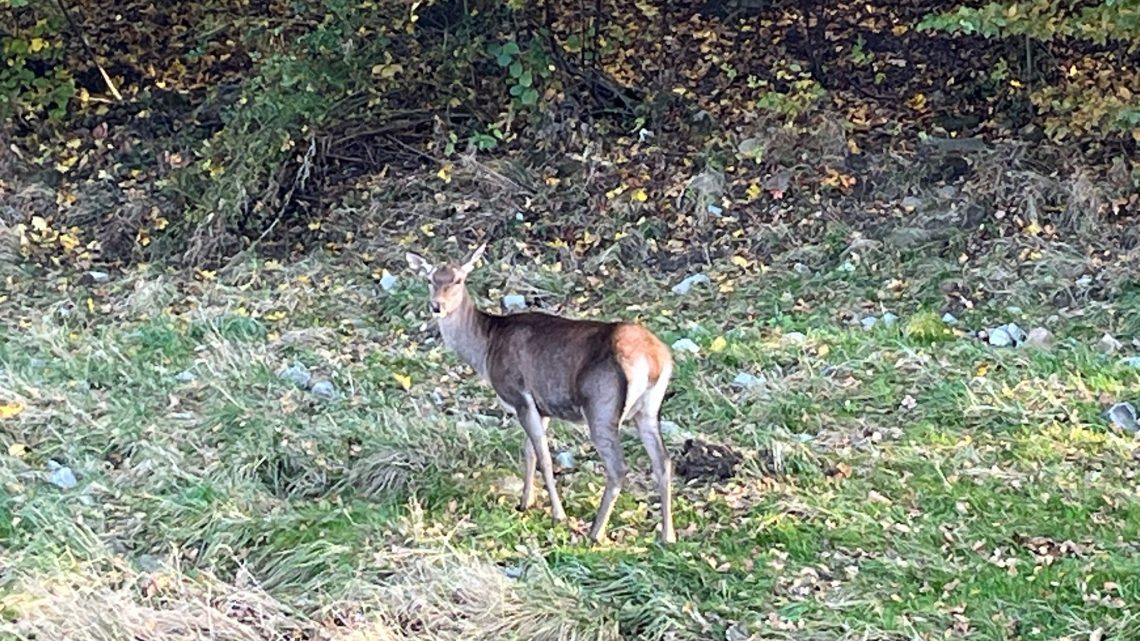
(924, 488)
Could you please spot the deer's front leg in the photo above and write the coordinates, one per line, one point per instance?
(529, 462)
(535, 427)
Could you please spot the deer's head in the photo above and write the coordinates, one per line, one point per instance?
(446, 282)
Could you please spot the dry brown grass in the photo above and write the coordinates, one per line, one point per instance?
(117, 603)
(425, 593)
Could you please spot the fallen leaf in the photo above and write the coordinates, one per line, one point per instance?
(404, 380)
(8, 410)
(718, 344)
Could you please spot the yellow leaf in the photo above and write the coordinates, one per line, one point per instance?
(404, 380)
(8, 410)
(822, 350)
(983, 368)
(314, 225)
(68, 241)
(389, 71)
(1032, 229)
(444, 173)
(206, 274)
(740, 261)
(37, 44)
(39, 223)
(917, 101)
(17, 450)
(718, 344)
(275, 315)
(754, 191)
(640, 196)
(426, 228)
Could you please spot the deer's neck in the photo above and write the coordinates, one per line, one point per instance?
(465, 333)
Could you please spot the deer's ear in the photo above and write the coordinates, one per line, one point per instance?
(470, 264)
(419, 264)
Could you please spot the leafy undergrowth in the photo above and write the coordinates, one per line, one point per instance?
(894, 483)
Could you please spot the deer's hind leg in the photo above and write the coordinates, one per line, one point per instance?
(647, 418)
(603, 415)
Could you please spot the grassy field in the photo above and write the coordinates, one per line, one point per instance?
(901, 482)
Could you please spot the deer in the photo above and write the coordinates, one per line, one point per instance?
(544, 366)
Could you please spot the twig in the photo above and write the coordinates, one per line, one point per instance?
(90, 51)
(298, 180)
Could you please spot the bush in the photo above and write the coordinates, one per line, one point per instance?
(33, 78)
(1096, 97)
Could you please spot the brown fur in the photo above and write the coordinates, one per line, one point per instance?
(631, 341)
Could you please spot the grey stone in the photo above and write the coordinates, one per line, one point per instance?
(185, 376)
(1013, 310)
(1000, 338)
(687, 284)
(1016, 333)
(99, 276)
(1108, 344)
(388, 281)
(61, 476)
(1040, 338)
(686, 345)
(947, 192)
(324, 389)
(715, 210)
(565, 459)
(150, 563)
(296, 374)
(750, 147)
(949, 319)
(513, 571)
(889, 319)
(911, 203)
(802, 269)
(1123, 416)
(1132, 361)
(847, 267)
(1007, 335)
(793, 338)
(748, 381)
(514, 302)
(869, 322)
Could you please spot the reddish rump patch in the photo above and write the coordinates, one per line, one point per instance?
(632, 342)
